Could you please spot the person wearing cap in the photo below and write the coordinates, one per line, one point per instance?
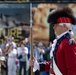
(63, 52)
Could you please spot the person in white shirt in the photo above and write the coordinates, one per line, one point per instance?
(22, 56)
(12, 56)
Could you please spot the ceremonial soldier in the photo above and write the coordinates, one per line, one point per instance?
(63, 52)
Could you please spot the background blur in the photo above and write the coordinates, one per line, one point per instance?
(15, 19)
(43, 0)
(41, 29)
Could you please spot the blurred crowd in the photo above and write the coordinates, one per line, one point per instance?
(14, 58)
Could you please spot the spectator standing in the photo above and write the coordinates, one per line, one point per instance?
(22, 56)
(12, 55)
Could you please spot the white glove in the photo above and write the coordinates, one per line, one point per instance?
(36, 66)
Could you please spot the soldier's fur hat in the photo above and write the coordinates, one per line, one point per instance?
(62, 15)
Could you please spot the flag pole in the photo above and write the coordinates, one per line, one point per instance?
(31, 38)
